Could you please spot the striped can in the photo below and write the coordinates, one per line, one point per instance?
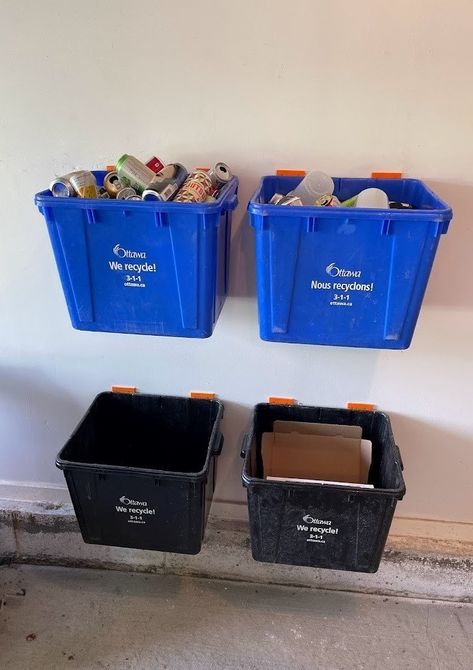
(196, 188)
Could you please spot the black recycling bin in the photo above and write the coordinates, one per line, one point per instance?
(141, 470)
(322, 525)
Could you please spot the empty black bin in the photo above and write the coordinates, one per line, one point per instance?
(285, 517)
(141, 470)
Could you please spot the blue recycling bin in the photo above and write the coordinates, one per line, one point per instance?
(142, 266)
(345, 276)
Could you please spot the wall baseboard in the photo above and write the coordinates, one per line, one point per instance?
(414, 531)
(46, 532)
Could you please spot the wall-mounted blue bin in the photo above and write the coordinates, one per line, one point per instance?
(345, 276)
(142, 266)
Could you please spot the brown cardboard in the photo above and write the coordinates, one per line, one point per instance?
(308, 428)
(319, 481)
(314, 451)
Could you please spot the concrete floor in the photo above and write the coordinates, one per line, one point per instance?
(84, 619)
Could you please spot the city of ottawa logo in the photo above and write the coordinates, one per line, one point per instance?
(121, 252)
(127, 501)
(335, 271)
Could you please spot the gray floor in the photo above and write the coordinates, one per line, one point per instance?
(70, 618)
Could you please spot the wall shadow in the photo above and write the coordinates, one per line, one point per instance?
(437, 470)
(452, 273)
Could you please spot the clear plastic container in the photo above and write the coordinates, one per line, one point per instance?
(313, 186)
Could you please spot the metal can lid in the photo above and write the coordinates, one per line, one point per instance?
(150, 194)
(222, 172)
(61, 189)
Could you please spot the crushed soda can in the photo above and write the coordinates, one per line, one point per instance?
(327, 200)
(290, 201)
(84, 184)
(276, 199)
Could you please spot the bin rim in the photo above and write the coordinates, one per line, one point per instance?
(248, 480)
(442, 212)
(227, 200)
(101, 468)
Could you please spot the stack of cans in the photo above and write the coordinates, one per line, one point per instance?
(132, 179)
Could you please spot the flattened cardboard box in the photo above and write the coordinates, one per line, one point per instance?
(316, 452)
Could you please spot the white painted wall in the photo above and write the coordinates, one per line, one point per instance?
(346, 87)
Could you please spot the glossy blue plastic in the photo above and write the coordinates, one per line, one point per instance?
(142, 266)
(345, 276)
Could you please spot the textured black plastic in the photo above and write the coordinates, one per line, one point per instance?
(141, 470)
(322, 525)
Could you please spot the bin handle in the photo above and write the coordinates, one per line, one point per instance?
(399, 457)
(230, 205)
(216, 451)
(245, 446)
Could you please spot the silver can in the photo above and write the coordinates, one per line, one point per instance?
(125, 193)
(166, 183)
(61, 187)
(220, 174)
(276, 199)
(134, 173)
(196, 188)
(149, 194)
(84, 184)
(103, 195)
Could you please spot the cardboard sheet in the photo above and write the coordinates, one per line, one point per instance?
(316, 451)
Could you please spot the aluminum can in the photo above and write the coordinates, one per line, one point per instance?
(220, 174)
(125, 193)
(167, 183)
(84, 184)
(327, 200)
(61, 187)
(134, 173)
(276, 199)
(112, 184)
(196, 188)
(103, 195)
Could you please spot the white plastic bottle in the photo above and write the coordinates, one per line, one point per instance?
(313, 186)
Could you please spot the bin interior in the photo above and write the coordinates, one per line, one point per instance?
(385, 471)
(144, 431)
(411, 191)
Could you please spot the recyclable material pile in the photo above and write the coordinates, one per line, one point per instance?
(317, 190)
(132, 179)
